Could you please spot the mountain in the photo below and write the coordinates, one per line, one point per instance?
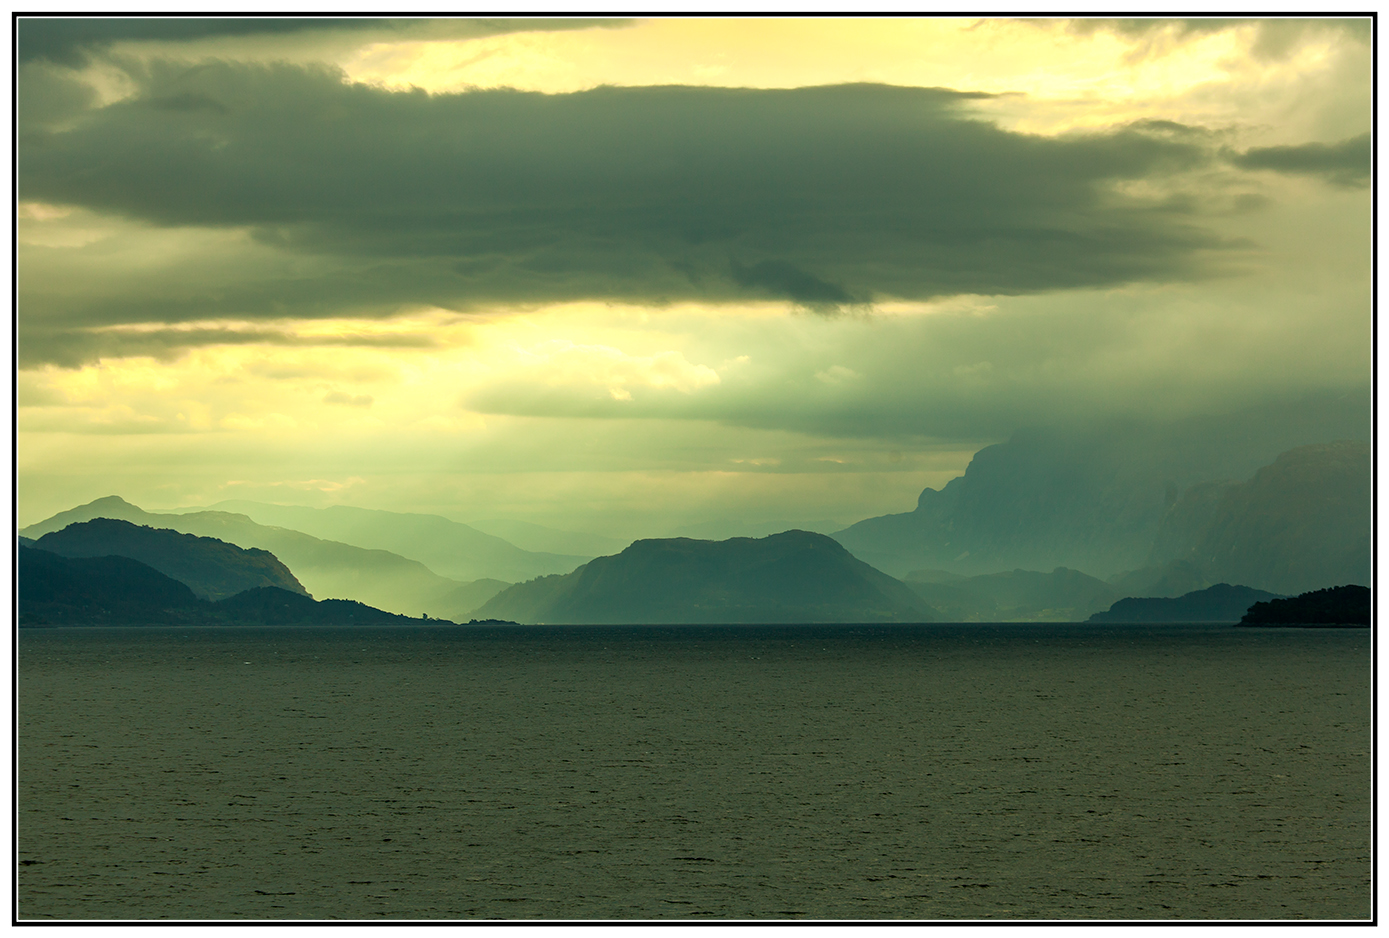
(792, 577)
(107, 590)
(446, 547)
(1338, 605)
(115, 590)
(1299, 524)
(722, 530)
(326, 568)
(1063, 595)
(1091, 498)
(272, 606)
(466, 597)
(211, 568)
(1219, 603)
(539, 538)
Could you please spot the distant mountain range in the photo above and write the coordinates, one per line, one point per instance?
(328, 569)
(117, 590)
(537, 537)
(1151, 508)
(1116, 505)
(1219, 603)
(1062, 595)
(792, 577)
(448, 548)
(211, 568)
(1301, 523)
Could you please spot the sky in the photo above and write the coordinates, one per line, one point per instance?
(629, 276)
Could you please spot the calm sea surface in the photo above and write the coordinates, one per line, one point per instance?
(816, 772)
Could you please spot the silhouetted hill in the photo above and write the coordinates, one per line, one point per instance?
(211, 568)
(1091, 498)
(793, 577)
(111, 506)
(108, 590)
(1337, 605)
(1219, 603)
(1301, 523)
(114, 590)
(446, 547)
(1063, 595)
(326, 568)
(271, 606)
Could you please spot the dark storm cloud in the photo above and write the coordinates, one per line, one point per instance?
(71, 41)
(822, 196)
(1345, 164)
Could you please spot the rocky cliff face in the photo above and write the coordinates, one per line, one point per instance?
(1121, 498)
(1299, 524)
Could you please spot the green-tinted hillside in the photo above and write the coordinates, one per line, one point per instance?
(446, 547)
(107, 590)
(327, 569)
(211, 568)
(1219, 603)
(111, 590)
(791, 577)
(1301, 523)
(1062, 595)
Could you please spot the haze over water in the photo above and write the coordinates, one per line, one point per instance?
(803, 772)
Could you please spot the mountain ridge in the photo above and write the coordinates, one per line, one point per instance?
(327, 568)
(114, 590)
(212, 568)
(794, 576)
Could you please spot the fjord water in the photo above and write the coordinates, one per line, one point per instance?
(811, 772)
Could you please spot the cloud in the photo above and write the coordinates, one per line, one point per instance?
(371, 200)
(1346, 163)
(72, 41)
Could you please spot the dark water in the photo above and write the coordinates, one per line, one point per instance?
(924, 772)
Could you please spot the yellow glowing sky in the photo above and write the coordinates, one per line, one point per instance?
(376, 411)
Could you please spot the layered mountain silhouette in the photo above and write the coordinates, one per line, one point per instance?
(56, 590)
(1096, 498)
(116, 590)
(1338, 605)
(378, 578)
(1219, 603)
(792, 577)
(540, 538)
(448, 548)
(1151, 508)
(1062, 595)
(1301, 523)
(211, 568)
